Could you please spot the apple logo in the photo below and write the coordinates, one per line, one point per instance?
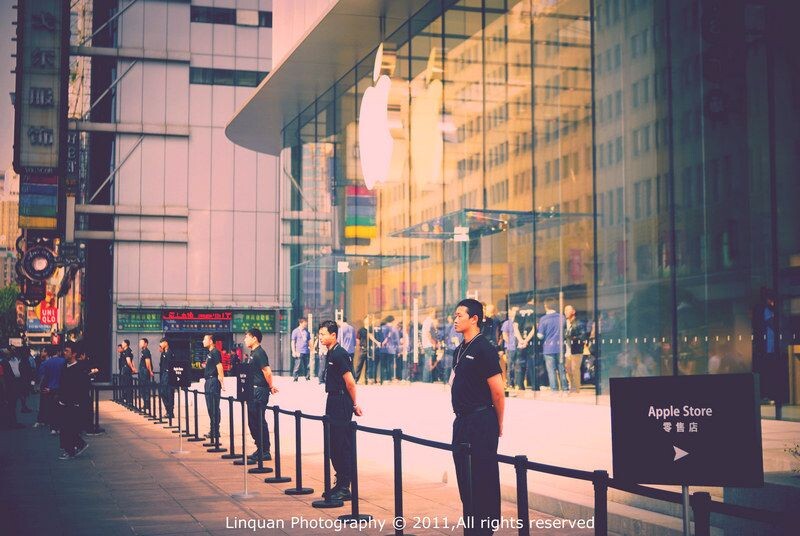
(374, 134)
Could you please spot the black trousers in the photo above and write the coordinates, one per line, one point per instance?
(126, 382)
(167, 394)
(482, 432)
(212, 390)
(339, 408)
(359, 365)
(255, 414)
(72, 420)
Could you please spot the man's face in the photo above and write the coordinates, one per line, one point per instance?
(326, 338)
(163, 345)
(142, 344)
(462, 320)
(303, 324)
(68, 355)
(119, 348)
(248, 340)
(207, 342)
(569, 312)
(124, 345)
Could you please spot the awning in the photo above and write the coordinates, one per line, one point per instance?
(477, 222)
(332, 261)
(343, 36)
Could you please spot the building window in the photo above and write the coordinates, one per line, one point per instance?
(222, 15)
(225, 77)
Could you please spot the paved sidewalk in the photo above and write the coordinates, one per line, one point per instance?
(127, 482)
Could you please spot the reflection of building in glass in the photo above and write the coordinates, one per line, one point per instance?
(635, 161)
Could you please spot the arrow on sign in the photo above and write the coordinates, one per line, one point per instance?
(679, 453)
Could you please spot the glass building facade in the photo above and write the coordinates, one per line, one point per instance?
(635, 159)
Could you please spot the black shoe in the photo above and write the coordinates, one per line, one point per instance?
(341, 494)
(295, 379)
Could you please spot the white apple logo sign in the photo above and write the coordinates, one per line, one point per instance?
(374, 136)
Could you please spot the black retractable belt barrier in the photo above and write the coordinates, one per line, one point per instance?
(94, 427)
(521, 468)
(600, 482)
(260, 470)
(152, 394)
(244, 495)
(276, 426)
(326, 501)
(196, 436)
(298, 460)
(354, 514)
(231, 455)
(187, 433)
(160, 406)
(397, 442)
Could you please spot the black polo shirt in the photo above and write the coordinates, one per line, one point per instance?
(212, 361)
(165, 363)
(473, 364)
(145, 357)
(258, 360)
(339, 364)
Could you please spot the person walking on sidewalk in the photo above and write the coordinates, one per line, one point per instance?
(339, 407)
(478, 400)
(72, 399)
(166, 392)
(262, 388)
(300, 349)
(214, 376)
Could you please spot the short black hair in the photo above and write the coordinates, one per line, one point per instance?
(474, 308)
(119, 345)
(164, 339)
(550, 302)
(330, 325)
(72, 346)
(302, 319)
(145, 340)
(213, 337)
(254, 332)
(126, 341)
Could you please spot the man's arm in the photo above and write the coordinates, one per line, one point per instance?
(267, 372)
(350, 384)
(149, 363)
(294, 348)
(129, 361)
(221, 375)
(498, 398)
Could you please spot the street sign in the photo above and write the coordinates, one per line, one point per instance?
(688, 430)
(179, 374)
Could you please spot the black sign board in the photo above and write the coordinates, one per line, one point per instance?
(244, 383)
(179, 374)
(688, 430)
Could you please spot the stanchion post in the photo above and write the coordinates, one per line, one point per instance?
(196, 437)
(276, 426)
(231, 455)
(701, 512)
(600, 482)
(244, 495)
(397, 443)
(354, 514)
(180, 450)
(298, 460)
(521, 468)
(326, 501)
(186, 410)
(160, 408)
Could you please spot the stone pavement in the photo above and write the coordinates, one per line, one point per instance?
(127, 482)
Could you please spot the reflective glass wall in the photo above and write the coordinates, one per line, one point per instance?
(633, 159)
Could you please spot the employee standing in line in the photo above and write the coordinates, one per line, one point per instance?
(339, 407)
(215, 377)
(262, 388)
(127, 369)
(478, 402)
(145, 372)
(166, 392)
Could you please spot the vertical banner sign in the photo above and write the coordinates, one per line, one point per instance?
(41, 106)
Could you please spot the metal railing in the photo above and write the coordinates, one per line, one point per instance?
(701, 503)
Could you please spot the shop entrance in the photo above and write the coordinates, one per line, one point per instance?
(189, 347)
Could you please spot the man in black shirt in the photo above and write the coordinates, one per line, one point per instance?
(166, 392)
(73, 395)
(478, 402)
(145, 373)
(127, 370)
(214, 377)
(339, 407)
(362, 354)
(262, 388)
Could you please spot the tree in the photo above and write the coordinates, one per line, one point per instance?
(8, 313)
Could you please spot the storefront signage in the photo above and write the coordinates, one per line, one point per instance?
(40, 108)
(262, 320)
(687, 430)
(179, 374)
(194, 321)
(138, 320)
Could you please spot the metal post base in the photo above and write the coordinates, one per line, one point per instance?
(277, 480)
(196, 439)
(244, 496)
(358, 517)
(298, 491)
(260, 470)
(217, 449)
(327, 503)
(239, 461)
(96, 432)
(231, 456)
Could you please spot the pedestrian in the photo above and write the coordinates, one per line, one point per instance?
(339, 407)
(214, 385)
(72, 399)
(263, 386)
(20, 379)
(478, 401)
(300, 349)
(166, 392)
(551, 332)
(127, 369)
(145, 373)
(51, 383)
(8, 402)
(574, 342)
